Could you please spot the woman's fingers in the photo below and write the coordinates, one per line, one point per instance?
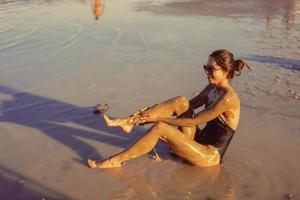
(143, 118)
(144, 108)
(145, 115)
(140, 111)
(136, 120)
(139, 120)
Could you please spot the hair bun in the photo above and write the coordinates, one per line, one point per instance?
(239, 65)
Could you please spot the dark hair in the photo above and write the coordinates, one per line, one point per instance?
(226, 60)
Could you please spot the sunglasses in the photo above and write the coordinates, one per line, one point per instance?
(209, 70)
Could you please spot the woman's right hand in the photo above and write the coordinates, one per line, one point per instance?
(139, 112)
(144, 118)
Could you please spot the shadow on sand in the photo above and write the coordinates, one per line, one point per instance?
(53, 118)
(16, 186)
(281, 62)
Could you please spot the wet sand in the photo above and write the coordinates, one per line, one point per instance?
(55, 67)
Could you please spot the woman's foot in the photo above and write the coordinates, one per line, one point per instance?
(92, 163)
(105, 164)
(125, 124)
(127, 129)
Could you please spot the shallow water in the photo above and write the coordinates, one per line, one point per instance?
(54, 39)
(56, 60)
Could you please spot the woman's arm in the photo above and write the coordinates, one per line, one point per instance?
(200, 99)
(225, 103)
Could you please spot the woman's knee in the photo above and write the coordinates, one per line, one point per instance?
(182, 100)
(161, 129)
(160, 125)
(182, 104)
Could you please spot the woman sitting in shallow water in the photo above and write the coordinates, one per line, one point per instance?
(202, 148)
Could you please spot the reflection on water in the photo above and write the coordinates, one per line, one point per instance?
(97, 7)
(181, 182)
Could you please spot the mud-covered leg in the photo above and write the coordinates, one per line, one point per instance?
(182, 145)
(140, 147)
(178, 106)
(175, 106)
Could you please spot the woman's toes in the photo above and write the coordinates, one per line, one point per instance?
(92, 163)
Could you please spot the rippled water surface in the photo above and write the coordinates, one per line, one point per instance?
(55, 38)
(59, 57)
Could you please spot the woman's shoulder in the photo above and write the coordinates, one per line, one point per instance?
(216, 94)
(230, 95)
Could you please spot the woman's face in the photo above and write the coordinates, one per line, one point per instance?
(215, 73)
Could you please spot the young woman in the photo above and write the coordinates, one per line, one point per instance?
(203, 148)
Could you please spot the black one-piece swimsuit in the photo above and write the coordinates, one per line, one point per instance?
(216, 132)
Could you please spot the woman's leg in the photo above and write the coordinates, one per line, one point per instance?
(178, 106)
(183, 146)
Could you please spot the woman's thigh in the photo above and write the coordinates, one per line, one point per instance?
(174, 106)
(187, 148)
